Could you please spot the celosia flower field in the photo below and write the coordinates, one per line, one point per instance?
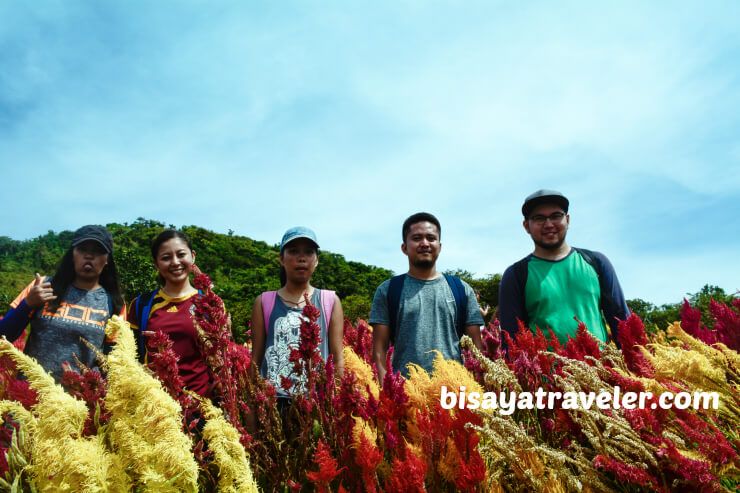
(138, 429)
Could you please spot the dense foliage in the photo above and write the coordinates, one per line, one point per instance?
(241, 268)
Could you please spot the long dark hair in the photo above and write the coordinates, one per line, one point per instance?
(65, 276)
(164, 237)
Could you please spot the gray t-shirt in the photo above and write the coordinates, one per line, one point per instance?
(283, 335)
(427, 316)
(55, 336)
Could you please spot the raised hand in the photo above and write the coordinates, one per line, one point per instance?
(40, 293)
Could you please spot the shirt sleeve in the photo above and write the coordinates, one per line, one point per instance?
(613, 305)
(473, 316)
(22, 296)
(511, 302)
(15, 321)
(379, 310)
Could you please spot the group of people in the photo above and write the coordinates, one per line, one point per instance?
(418, 313)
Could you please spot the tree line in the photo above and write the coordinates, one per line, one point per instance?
(241, 268)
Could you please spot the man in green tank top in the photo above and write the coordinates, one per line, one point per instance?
(557, 282)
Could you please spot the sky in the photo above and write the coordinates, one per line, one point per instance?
(347, 117)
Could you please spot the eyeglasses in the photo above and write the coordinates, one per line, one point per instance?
(555, 218)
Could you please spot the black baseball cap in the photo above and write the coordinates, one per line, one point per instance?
(95, 233)
(544, 197)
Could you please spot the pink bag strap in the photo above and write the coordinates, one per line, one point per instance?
(268, 302)
(327, 305)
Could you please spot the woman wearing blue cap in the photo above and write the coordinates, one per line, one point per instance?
(74, 304)
(276, 316)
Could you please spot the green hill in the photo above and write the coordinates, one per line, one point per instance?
(240, 267)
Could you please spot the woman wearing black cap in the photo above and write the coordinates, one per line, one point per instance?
(74, 304)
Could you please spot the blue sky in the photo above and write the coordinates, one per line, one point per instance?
(349, 116)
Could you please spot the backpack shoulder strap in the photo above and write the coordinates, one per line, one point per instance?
(461, 301)
(394, 300)
(327, 304)
(143, 308)
(268, 302)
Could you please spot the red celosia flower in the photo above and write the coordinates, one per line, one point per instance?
(368, 457)
(471, 468)
(584, 344)
(491, 336)
(626, 473)
(631, 334)
(691, 324)
(327, 468)
(18, 390)
(726, 323)
(407, 475)
(90, 387)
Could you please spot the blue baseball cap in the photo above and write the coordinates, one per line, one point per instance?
(298, 232)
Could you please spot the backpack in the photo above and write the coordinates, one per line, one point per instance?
(608, 304)
(143, 309)
(394, 300)
(268, 303)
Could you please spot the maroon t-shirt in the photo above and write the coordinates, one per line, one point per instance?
(174, 316)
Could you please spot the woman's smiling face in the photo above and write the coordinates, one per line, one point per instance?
(174, 261)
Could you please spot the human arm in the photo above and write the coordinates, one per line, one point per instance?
(381, 339)
(336, 336)
(15, 321)
(380, 321)
(473, 331)
(22, 307)
(484, 311)
(511, 302)
(613, 303)
(473, 317)
(259, 335)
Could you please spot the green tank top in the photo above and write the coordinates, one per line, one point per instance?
(557, 291)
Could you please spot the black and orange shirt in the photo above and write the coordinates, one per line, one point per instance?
(174, 316)
(57, 335)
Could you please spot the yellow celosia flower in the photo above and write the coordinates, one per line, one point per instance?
(364, 373)
(20, 414)
(417, 387)
(234, 473)
(363, 428)
(449, 462)
(450, 373)
(713, 355)
(61, 460)
(146, 423)
(691, 366)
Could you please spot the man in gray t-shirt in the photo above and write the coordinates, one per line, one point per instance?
(426, 319)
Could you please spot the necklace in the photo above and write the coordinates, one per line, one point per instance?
(301, 300)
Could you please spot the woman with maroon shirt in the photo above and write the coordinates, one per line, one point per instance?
(170, 309)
